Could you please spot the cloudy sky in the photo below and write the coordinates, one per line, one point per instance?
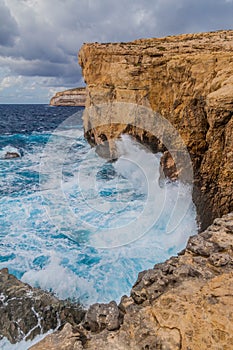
(39, 39)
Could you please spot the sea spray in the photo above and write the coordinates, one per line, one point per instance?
(44, 251)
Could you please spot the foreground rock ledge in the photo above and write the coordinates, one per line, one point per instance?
(26, 312)
(184, 303)
(188, 80)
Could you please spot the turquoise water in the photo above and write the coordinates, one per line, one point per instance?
(75, 224)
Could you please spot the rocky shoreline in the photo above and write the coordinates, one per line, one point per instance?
(184, 303)
(187, 301)
(26, 311)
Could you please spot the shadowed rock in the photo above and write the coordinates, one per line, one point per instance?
(26, 312)
(10, 155)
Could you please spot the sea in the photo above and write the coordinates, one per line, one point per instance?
(75, 224)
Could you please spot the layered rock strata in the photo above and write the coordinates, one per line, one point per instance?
(71, 97)
(188, 80)
(184, 303)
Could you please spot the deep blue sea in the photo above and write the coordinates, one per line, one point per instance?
(75, 224)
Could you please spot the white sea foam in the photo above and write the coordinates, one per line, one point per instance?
(67, 284)
(22, 345)
(53, 238)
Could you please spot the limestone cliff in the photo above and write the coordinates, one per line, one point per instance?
(185, 302)
(188, 80)
(71, 97)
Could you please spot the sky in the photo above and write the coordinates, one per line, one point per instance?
(40, 39)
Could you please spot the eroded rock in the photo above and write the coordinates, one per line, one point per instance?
(69, 338)
(101, 316)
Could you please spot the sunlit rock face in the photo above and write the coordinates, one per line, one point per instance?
(185, 302)
(72, 97)
(188, 80)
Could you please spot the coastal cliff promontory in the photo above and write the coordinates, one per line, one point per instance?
(71, 97)
(185, 302)
(188, 80)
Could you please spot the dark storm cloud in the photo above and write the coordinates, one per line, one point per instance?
(50, 33)
(40, 68)
(8, 26)
(195, 16)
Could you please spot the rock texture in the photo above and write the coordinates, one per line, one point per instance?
(188, 79)
(72, 97)
(26, 312)
(184, 303)
(10, 155)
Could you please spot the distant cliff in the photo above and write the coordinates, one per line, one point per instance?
(188, 80)
(71, 97)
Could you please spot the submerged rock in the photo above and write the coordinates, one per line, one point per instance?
(10, 155)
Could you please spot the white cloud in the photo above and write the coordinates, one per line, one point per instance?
(10, 81)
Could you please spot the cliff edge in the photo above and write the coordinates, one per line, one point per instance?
(188, 80)
(185, 302)
(71, 97)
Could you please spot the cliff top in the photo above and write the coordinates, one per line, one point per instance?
(180, 44)
(74, 91)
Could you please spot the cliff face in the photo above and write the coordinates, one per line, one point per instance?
(186, 302)
(72, 97)
(188, 80)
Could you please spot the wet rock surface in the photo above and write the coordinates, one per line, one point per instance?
(184, 303)
(26, 312)
(10, 155)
